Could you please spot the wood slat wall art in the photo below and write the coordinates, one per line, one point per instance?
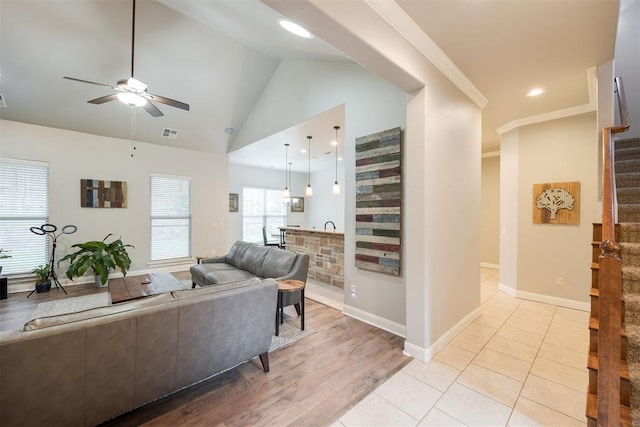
(556, 203)
(95, 193)
(378, 201)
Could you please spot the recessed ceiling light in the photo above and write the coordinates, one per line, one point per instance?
(339, 158)
(334, 143)
(303, 151)
(295, 29)
(229, 131)
(535, 92)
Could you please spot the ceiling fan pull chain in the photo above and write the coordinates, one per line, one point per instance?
(133, 130)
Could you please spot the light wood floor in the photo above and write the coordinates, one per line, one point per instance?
(311, 383)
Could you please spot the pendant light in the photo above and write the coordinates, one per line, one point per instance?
(286, 194)
(336, 186)
(309, 191)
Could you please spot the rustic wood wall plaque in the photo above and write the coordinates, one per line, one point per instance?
(556, 203)
(95, 193)
(378, 201)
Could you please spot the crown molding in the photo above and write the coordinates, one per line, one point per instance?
(391, 12)
(545, 117)
(592, 87)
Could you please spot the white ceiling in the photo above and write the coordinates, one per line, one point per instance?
(269, 153)
(507, 48)
(218, 56)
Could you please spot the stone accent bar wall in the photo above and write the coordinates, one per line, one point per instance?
(325, 250)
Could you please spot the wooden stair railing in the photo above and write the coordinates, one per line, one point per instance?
(608, 373)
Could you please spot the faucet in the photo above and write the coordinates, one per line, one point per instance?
(329, 222)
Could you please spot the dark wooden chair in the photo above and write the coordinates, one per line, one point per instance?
(264, 239)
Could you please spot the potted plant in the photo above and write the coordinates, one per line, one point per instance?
(3, 255)
(43, 279)
(101, 257)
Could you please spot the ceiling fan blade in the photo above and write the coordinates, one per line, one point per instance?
(152, 109)
(87, 81)
(168, 101)
(103, 99)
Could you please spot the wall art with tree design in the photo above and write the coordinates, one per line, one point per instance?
(556, 203)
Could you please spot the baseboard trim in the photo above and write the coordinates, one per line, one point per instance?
(377, 321)
(489, 265)
(426, 354)
(546, 299)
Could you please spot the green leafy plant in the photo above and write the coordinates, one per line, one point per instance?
(101, 257)
(4, 254)
(41, 272)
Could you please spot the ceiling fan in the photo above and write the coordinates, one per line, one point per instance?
(131, 91)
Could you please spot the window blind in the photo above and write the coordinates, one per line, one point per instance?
(170, 217)
(24, 203)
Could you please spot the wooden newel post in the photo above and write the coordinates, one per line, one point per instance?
(609, 334)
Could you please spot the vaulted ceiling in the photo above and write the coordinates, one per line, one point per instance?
(219, 55)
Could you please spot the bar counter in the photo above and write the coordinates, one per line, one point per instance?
(325, 250)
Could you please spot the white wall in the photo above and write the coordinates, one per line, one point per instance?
(557, 151)
(73, 156)
(442, 223)
(490, 221)
(303, 89)
(627, 60)
(323, 206)
(509, 167)
(554, 151)
(245, 176)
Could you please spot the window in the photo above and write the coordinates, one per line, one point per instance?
(24, 203)
(262, 207)
(170, 217)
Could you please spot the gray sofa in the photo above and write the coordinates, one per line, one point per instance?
(248, 261)
(84, 368)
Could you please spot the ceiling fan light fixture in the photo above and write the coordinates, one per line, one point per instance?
(294, 28)
(132, 99)
(136, 85)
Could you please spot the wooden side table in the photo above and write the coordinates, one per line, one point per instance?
(285, 286)
(199, 258)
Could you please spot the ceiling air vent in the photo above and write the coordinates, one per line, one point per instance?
(3, 103)
(169, 133)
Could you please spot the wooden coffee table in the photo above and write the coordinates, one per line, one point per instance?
(289, 286)
(134, 287)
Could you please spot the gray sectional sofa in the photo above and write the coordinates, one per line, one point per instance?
(248, 261)
(80, 369)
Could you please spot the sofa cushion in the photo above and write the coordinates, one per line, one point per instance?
(199, 270)
(45, 322)
(253, 259)
(206, 290)
(236, 253)
(225, 276)
(278, 263)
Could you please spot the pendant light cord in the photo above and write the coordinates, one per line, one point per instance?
(286, 162)
(336, 128)
(309, 168)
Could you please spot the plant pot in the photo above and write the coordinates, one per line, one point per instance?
(98, 282)
(43, 286)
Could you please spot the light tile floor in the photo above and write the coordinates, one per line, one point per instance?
(521, 363)
(324, 294)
